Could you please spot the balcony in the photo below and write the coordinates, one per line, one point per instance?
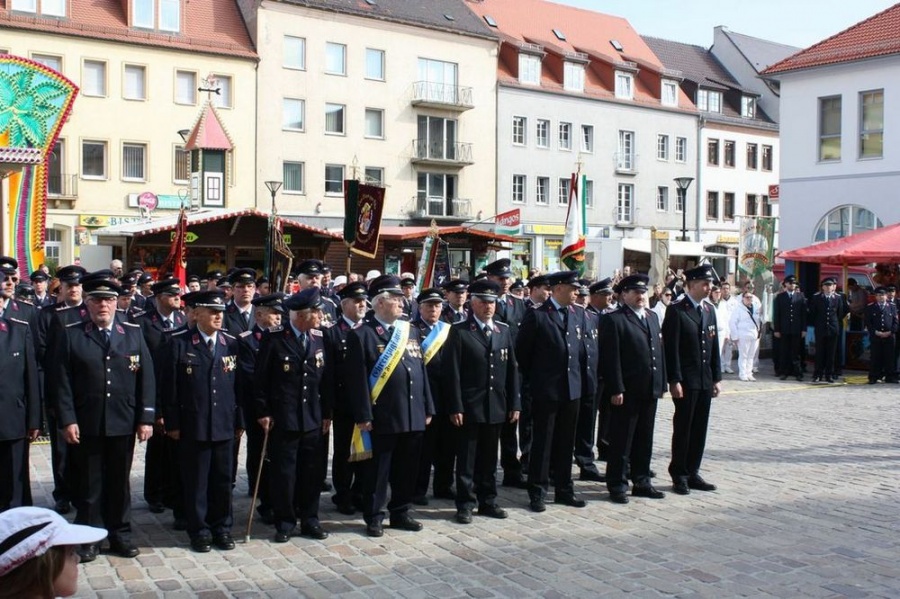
(441, 153)
(442, 96)
(428, 207)
(626, 163)
(62, 189)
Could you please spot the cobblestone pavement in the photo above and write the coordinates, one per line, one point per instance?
(807, 506)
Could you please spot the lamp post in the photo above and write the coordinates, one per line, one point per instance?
(273, 187)
(683, 183)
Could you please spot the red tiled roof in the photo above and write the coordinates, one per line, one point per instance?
(208, 133)
(208, 26)
(878, 35)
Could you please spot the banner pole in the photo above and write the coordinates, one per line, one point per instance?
(349, 258)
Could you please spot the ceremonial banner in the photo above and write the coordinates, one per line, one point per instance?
(282, 259)
(441, 272)
(572, 254)
(757, 249)
(425, 271)
(363, 205)
(176, 261)
(659, 256)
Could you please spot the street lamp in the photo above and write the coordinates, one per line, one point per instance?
(184, 134)
(273, 187)
(683, 183)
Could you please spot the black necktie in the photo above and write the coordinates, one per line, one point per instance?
(209, 345)
(167, 324)
(700, 311)
(246, 318)
(563, 315)
(302, 339)
(105, 337)
(487, 331)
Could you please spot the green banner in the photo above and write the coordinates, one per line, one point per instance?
(757, 244)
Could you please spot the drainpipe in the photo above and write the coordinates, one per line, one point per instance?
(699, 188)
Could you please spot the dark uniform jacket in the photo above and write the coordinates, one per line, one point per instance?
(480, 375)
(293, 386)
(553, 357)
(511, 310)
(692, 345)
(44, 302)
(198, 387)
(410, 308)
(20, 400)
(451, 316)
(881, 318)
(106, 391)
(248, 350)
(789, 313)
(633, 360)
(592, 349)
(234, 322)
(405, 400)
(825, 314)
(433, 368)
(336, 354)
(50, 323)
(151, 323)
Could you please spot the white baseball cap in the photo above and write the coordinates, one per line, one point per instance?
(372, 274)
(28, 532)
(339, 280)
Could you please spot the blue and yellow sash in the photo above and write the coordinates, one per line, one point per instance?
(432, 344)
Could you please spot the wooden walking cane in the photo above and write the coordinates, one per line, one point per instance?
(262, 459)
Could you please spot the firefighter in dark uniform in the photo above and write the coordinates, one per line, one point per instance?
(239, 312)
(881, 323)
(267, 314)
(346, 475)
(789, 323)
(634, 378)
(42, 299)
(104, 392)
(410, 305)
(201, 413)
(826, 310)
(552, 357)
(294, 390)
(310, 275)
(481, 390)
(538, 291)
(438, 442)
(598, 305)
(455, 309)
(693, 367)
(157, 323)
(389, 346)
(10, 307)
(587, 411)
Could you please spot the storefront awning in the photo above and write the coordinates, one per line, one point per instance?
(396, 233)
(676, 248)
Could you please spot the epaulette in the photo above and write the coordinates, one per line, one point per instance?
(25, 301)
(227, 335)
(315, 332)
(181, 332)
(11, 319)
(138, 313)
(277, 329)
(327, 325)
(245, 333)
(502, 324)
(74, 324)
(61, 308)
(131, 324)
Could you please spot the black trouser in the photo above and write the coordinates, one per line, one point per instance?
(297, 481)
(584, 433)
(476, 468)
(396, 462)
(603, 407)
(14, 474)
(236, 450)
(438, 449)
(102, 491)
(825, 348)
(157, 468)
(881, 358)
(630, 442)
(689, 433)
(552, 447)
(790, 354)
(255, 436)
(59, 459)
(206, 468)
(509, 451)
(345, 475)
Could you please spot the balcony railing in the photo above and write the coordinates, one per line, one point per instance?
(442, 152)
(441, 207)
(626, 163)
(442, 95)
(62, 185)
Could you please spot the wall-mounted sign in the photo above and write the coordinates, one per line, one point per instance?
(191, 237)
(97, 220)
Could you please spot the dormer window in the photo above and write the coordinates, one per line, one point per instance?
(163, 15)
(529, 69)
(709, 101)
(669, 93)
(624, 85)
(573, 77)
(748, 107)
(46, 8)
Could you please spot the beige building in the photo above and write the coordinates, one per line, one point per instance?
(139, 65)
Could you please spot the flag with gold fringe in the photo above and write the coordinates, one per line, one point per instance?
(360, 445)
(573, 246)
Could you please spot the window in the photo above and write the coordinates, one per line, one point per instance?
(565, 136)
(93, 159)
(294, 49)
(142, 14)
(624, 85)
(529, 69)
(728, 205)
(437, 139)
(712, 154)
(56, 161)
(374, 175)
(588, 193)
(25, 5)
(662, 199)
(48, 8)
(844, 221)
(518, 189)
(565, 188)
(334, 119)
(335, 59)
(573, 77)
(437, 83)
(766, 208)
(728, 154)
(334, 179)
(374, 123)
(662, 147)
(223, 99)
(750, 208)
(543, 133)
(587, 138)
(709, 101)
(181, 169)
(830, 128)
(437, 195)
(625, 156)
(293, 114)
(752, 156)
(669, 93)
(681, 149)
(702, 99)
(767, 158)
(134, 162)
(871, 126)
(715, 101)
(293, 177)
(48, 60)
(170, 15)
(375, 64)
(134, 83)
(93, 79)
(712, 205)
(624, 205)
(520, 124)
(52, 246)
(185, 87)
(748, 107)
(680, 196)
(543, 191)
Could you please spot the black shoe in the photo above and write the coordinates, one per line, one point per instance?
(492, 511)
(420, 500)
(266, 515)
(63, 507)
(314, 531)
(201, 544)
(518, 483)
(681, 487)
(374, 529)
(799, 378)
(592, 475)
(156, 507)
(697, 482)
(651, 473)
(281, 537)
(648, 491)
(871, 382)
(87, 553)
(464, 516)
(829, 379)
(569, 500)
(618, 497)
(326, 486)
(444, 494)
(123, 549)
(346, 508)
(783, 377)
(179, 524)
(406, 522)
(537, 505)
(224, 542)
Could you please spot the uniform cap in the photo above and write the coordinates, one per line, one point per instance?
(70, 274)
(517, 284)
(243, 276)
(38, 275)
(407, 282)
(485, 290)
(24, 290)
(790, 279)
(704, 272)
(603, 286)
(880, 290)
(214, 300)
(308, 299)
(310, 267)
(499, 268)
(431, 294)
(635, 282)
(385, 284)
(275, 301)
(8, 263)
(193, 279)
(167, 286)
(537, 281)
(355, 290)
(223, 282)
(829, 281)
(456, 286)
(101, 288)
(563, 277)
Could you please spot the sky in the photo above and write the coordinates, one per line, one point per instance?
(799, 23)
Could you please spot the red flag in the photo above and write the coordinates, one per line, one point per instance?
(176, 261)
(369, 206)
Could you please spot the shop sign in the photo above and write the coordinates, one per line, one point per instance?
(734, 239)
(97, 220)
(190, 237)
(549, 230)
